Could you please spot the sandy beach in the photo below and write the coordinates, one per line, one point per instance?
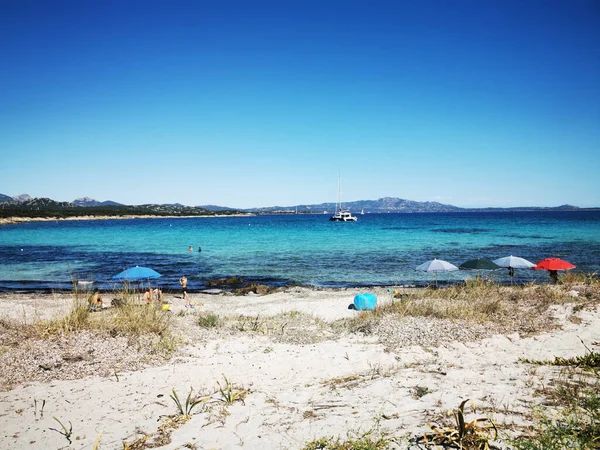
(298, 373)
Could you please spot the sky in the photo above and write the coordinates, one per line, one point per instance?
(262, 103)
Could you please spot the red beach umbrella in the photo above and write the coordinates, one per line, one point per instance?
(553, 264)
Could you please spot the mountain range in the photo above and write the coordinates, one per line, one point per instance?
(382, 205)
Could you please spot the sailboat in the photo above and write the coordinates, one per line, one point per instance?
(362, 212)
(341, 214)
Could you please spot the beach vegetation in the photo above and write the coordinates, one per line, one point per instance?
(208, 320)
(479, 301)
(97, 442)
(161, 437)
(420, 391)
(575, 398)
(573, 421)
(579, 277)
(67, 433)
(35, 408)
(373, 439)
(190, 403)
(589, 361)
(477, 434)
(231, 393)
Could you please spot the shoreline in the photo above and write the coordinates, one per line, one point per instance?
(17, 220)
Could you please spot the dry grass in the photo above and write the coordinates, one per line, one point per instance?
(72, 344)
(480, 302)
(569, 416)
(132, 318)
(289, 327)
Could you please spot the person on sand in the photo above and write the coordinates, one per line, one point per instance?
(183, 283)
(153, 295)
(148, 296)
(95, 301)
(554, 276)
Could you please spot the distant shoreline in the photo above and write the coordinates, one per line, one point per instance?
(17, 220)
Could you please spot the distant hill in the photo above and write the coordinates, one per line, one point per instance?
(45, 207)
(22, 198)
(87, 201)
(215, 208)
(6, 198)
(44, 203)
(398, 205)
(382, 205)
(25, 206)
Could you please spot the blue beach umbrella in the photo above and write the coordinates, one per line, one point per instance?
(137, 273)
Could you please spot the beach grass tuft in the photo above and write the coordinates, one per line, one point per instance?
(231, 393)
(373, 439)
(476, 434)
(208, 320)
(67, 433)
(575, 420)
(148, 325)
(190, 403)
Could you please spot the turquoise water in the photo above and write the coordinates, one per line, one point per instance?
(379, 249)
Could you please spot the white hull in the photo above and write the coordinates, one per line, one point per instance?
(341, 215)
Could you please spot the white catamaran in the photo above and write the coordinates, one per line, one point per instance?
(341, 214)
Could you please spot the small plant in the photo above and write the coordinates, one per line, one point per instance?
(373, 439)
(35, 404)
(208, 320)
(474, 435)
(66, 433)
(420, 391)
(230, 393)
(589, 361)
(191, 402)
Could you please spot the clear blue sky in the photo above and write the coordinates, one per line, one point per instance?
(254, 103)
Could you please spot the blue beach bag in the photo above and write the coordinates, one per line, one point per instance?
(365, 302)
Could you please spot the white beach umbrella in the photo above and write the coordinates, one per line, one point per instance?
(436, 266)
(515, 262)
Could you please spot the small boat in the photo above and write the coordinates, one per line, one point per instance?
(362, 212)
(341, 214)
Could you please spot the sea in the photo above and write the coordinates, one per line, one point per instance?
(293, 249)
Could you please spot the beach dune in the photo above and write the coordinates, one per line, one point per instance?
(289, 392)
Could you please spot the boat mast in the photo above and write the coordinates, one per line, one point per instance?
(340, 190)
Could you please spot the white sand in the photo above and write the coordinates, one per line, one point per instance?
(290, 399)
